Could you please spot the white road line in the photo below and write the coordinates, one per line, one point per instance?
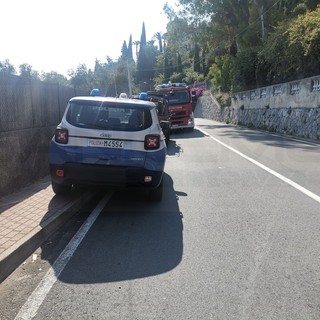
(276, 174)
(30, 308)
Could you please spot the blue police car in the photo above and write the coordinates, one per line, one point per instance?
(112, 142)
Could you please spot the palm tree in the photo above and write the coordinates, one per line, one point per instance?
(158, 36)
(136, 43)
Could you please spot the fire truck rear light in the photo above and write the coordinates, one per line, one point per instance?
(61, 135)
(152, 142)
(60, 173)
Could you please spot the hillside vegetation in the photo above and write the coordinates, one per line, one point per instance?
(233, 45)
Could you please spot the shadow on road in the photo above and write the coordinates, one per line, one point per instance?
(132, 238)
(258, 136)
(184, 134)
(10, 200)
(173, 147)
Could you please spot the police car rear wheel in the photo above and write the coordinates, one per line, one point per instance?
(60, 189)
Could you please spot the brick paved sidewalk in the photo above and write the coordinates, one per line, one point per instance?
(28, 217)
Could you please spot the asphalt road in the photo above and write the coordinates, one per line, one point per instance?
(237, 236)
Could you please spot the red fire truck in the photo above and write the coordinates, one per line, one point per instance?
(180, 101)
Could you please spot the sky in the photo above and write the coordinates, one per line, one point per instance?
(59, 35)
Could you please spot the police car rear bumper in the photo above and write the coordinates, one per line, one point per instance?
(109, 176)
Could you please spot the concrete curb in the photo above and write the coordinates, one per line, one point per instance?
(13, 257)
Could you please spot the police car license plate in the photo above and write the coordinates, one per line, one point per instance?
(115, 144)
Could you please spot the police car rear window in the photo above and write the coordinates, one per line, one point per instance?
(106, 116)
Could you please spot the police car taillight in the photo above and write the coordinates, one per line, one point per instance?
(61, 135)
(152, 142)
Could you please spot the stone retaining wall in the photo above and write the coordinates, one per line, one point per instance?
(291, 108)
(29, 112)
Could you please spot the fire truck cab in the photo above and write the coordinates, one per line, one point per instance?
(180, 103)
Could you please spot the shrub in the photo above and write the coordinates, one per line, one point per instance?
(224, 99)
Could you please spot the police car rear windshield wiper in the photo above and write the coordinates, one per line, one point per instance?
(92, 125)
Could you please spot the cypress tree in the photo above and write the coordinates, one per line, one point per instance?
(143, 39)
(124, 51)
(129, 50)
(141, 63)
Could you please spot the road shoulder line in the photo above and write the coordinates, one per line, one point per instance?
(276, 174)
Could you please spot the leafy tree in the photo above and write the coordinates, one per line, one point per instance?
(111, 81)
(220, 73)
(178, 39)
(176, 77)
(244, 70)
(158, 37)
(79, 78)
(190, 76)
(243, 44)
(176, 50)
(98, 78)
(7, 67)
(54, 77)
(304, 42)
(159, 79)
(293, 8)
(26, 71)
(121, 76)
(233, 14)
(292, 49)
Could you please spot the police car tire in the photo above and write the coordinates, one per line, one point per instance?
(168, 137)
(60, 189)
